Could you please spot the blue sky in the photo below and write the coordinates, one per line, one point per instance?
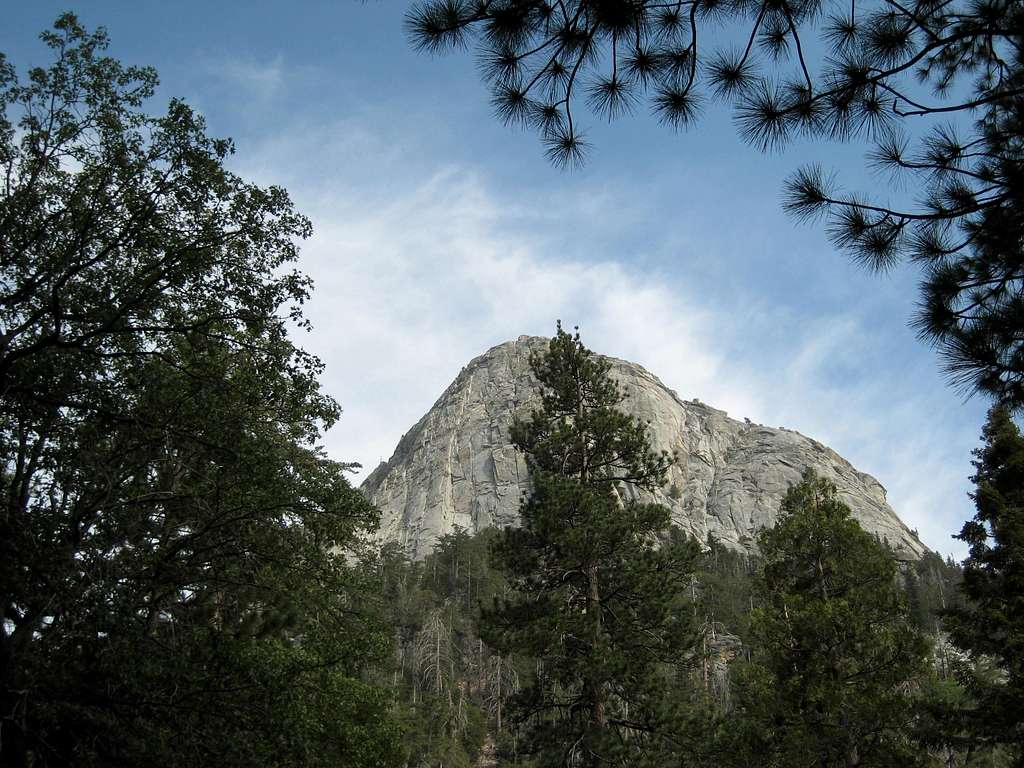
(440, 233)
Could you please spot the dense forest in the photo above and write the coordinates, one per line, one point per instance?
(186, 578)
(454, 690)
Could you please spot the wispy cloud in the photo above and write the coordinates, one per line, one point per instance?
(418, 270)
(249, 78)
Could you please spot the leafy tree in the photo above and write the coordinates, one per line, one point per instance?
(887, 71)
(173, 586)
(598, 579)
(834, 652)
(990, 627)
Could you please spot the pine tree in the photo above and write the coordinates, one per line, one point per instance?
(597, 579)
(809, 69)
(834, 650)
(991, 626)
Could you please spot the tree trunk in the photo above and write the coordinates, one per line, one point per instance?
(13, 749)
(437, 663)
(596, 689)
(499, 692)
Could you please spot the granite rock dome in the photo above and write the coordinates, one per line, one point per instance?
(457, 467)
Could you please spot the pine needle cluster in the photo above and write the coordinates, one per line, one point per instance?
(882, 72)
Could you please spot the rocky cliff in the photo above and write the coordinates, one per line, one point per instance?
(456, 466)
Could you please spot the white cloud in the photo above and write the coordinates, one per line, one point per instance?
(248, 80)
(418, 270)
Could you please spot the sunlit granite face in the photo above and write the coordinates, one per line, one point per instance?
(457, 468)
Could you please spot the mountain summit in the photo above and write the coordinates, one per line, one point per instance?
(457, 467)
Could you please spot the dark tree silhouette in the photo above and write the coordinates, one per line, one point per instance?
(168, 527)
(888, 71)
(990, 627)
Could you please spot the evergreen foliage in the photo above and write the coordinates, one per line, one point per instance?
(835, 656)
(932, 585)
(173, 583)
(884, 71)
(598, 583)
(478, 723)
(509, 683)
(180, 576)
(724, 587)
(990, 627)
(451, 687)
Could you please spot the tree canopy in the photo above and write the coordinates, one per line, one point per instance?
(173, 583)
(182, 574)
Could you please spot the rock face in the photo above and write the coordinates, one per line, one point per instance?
(457, 468)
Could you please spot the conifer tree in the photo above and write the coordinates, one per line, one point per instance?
(991, 626)
(597, 579)
(835, 651)
(822, 70)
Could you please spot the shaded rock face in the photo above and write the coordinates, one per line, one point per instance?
(457, 467)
